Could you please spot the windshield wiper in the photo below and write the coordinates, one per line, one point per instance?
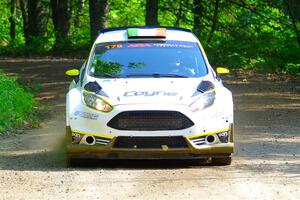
(173, 75)
(106, 75)
(158, 75)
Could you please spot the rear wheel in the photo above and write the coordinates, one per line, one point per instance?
(221, 161)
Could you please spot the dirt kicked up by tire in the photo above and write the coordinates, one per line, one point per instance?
(266, 163)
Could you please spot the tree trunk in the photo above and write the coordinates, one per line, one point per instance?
(214, 20)
(13, 8)
(198, 15)
(179, 13)
(98, 16)
(23, 6)
(35, 19)
(61, 17)
(293, 19)
(151, 12)
(79, 12)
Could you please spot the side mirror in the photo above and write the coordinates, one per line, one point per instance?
(222, 70)
(72, 73)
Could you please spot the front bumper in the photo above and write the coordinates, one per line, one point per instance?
(76, 151)
(191, 151)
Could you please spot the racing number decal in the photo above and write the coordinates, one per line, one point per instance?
(113, 46)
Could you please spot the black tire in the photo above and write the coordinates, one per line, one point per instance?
(221, 161)
(73, 162)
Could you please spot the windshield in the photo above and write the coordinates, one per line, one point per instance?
(142, 59)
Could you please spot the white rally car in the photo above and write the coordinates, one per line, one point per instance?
(148, 93)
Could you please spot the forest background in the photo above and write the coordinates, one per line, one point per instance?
(248, 34)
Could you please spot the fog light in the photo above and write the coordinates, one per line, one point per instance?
(210, 139)
(90, 140)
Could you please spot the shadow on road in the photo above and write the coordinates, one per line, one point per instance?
(56, 161)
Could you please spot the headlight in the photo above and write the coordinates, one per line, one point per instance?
(205, 100)
(93, 101)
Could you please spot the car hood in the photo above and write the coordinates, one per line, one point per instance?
(149, 90)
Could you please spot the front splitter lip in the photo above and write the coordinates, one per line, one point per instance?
(84, 151)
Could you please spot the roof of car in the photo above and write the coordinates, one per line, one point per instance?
(143, 27)
(120, 34)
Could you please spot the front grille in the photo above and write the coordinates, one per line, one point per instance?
(150, 142)
(150, 121)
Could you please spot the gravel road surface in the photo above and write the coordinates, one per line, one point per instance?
(266, 163)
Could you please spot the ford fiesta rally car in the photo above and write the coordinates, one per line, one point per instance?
(148, 93)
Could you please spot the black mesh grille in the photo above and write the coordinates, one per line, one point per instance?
(150, 142)
(150, 121)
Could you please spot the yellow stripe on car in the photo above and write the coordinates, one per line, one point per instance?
(208, 133)
(93, 134)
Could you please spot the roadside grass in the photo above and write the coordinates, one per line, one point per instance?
(17, 105)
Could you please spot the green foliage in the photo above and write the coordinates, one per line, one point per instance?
(80, 31)
(261, 39)
(293, 68)
(137, 65)
(249, 34)
(126, 13)
(16, 104)
(40, 45)
(104, 67)
(4, 27)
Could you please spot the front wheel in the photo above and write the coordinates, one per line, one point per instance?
(221, 161)
(73, 162)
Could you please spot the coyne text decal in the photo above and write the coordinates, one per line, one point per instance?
(148, 93)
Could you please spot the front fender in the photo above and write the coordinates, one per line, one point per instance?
(73, 98)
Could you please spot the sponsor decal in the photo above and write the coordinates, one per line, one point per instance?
(168, 44)
(76, 138)
(172, 45)
(76, 134)
(139, 45)
(223, 137)
(148, 93)
(86, 115)
(223, 134)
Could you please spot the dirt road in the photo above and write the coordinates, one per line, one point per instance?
(266, 163)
